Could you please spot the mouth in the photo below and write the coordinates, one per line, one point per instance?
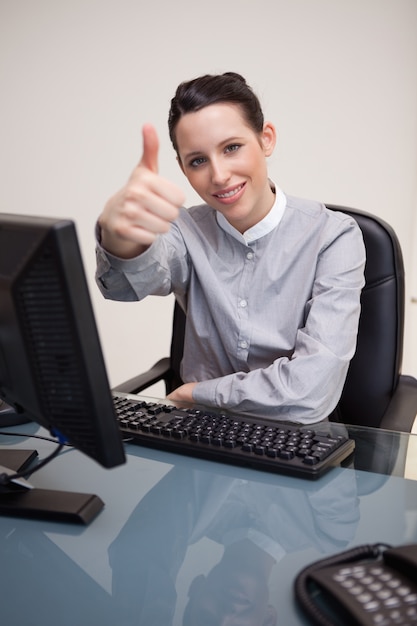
(229, 194)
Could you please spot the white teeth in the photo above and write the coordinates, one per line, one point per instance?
(229, 194)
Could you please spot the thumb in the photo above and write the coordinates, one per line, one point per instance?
(150, 148)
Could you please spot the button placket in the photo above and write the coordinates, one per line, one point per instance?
(243, 305)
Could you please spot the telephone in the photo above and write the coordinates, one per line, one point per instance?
(371, 585)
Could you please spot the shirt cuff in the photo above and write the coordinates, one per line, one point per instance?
(205, 392)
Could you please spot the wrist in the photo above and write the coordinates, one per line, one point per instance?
(118, 246)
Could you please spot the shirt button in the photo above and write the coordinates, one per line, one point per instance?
(250, 256)
(243, 303)
(243, 344)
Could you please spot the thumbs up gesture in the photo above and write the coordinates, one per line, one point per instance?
(143, 208)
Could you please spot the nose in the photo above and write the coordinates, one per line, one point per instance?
(220, 173)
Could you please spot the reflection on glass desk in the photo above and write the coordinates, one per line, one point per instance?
(183, 541)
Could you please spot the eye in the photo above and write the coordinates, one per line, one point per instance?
(233, 147)
(198, 161)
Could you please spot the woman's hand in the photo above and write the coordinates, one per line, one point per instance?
(143, 208)
(183, 393)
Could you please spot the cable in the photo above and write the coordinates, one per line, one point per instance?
(30, 436)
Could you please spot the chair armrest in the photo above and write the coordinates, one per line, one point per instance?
(159, 371)
(402, 410)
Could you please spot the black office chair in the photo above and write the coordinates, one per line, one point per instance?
(375, 393)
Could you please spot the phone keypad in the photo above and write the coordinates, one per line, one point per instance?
(376, 595)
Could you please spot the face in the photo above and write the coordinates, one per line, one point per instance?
(225, 162)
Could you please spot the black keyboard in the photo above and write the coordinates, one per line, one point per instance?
(261, 444)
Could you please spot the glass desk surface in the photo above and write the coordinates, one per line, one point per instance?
(186, 541)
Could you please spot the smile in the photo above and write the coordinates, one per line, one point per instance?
(229, 194)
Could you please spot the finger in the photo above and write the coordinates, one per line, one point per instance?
(155, 221)
(146, 189)
(150, 148)
(164, 190)
(160, 207)
(138, 235)
(143, 229)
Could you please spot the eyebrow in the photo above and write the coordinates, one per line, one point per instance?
(227, 141)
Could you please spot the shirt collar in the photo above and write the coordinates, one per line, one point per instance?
(262, 228)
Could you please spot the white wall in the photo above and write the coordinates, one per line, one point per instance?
(80, 77)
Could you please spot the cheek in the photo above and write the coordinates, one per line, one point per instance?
(259, 168)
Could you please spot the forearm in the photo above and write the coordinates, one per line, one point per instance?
(161, 269)
(303, 389)
(306, 385)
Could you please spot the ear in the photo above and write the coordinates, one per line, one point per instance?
(269, 138)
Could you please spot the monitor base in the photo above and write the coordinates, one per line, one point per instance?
(44, 504)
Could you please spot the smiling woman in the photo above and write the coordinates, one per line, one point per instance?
(224, 161)
(271, 284)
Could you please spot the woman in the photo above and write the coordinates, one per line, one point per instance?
(270, 284)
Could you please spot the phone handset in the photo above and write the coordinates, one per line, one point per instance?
(371, 585)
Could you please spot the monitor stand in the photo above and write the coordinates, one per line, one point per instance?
(43, 504)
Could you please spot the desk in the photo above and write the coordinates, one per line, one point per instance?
(175, 527)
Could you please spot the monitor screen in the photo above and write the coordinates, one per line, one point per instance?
(52, 369)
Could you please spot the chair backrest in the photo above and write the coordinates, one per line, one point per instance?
(376, 366)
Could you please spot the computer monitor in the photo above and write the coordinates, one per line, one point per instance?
(52, 368)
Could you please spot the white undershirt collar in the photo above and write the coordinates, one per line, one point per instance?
(262, 228)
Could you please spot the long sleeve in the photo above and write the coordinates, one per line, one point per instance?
(271, 322)
(164, 264)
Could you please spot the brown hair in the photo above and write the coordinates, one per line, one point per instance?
(200, 92)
